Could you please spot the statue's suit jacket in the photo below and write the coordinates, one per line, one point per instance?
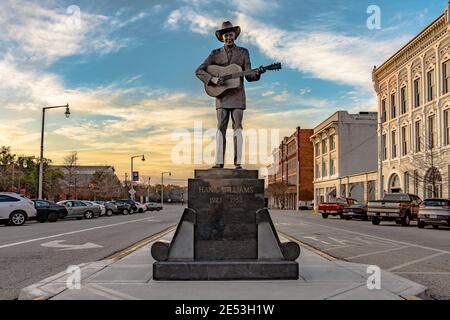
(232, 98)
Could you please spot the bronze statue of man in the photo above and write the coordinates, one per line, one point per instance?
(233, 101)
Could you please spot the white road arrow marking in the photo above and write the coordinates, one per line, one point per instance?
(315, 239)
(57, 244)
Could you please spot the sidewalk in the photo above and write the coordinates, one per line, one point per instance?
(130, 278)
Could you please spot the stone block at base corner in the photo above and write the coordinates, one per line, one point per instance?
(225, 270)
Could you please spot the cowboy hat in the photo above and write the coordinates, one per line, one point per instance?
(227, 27)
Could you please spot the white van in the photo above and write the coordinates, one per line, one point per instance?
(16, 209)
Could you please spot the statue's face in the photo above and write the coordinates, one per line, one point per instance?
(228, 38)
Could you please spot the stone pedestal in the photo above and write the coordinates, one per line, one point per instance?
(225, 233)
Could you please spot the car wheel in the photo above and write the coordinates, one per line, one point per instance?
(435, 227)
(376, 221)
(89, 215)
(421, 224)
(406, 221)
(140, 210)
(17, 218)
(325, 215)
(52, 217)
(125, 212)
(109, 213)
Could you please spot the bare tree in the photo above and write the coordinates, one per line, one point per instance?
(70, 164)
(278, 192)
(105, 185)
(428, 163)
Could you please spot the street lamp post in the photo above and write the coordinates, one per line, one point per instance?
(162, 186)
(132, 177)
(41, 159)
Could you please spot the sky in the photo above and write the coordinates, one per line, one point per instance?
(127, 70)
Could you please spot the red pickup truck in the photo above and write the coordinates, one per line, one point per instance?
(336, 208)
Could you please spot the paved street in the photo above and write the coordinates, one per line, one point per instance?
(421, 255)
(36, 251)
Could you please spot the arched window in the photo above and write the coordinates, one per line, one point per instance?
(394, 184)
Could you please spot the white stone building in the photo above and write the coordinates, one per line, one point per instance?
(413, 88)
(345, 157)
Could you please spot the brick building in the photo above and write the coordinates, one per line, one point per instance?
(293, 167)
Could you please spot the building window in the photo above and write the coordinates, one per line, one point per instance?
(384, 146)
(383, 111)
(417, 92)
(431, 86)
(432, 135)
(324, 146)
(317, 149)
(447, 127)
(332, 168)
(324, 169)
(446, 75)
(404, 141)
(317, 171)
(418, 135)
(394, 144)
(332, 142)
(403, 103)
(393, 107)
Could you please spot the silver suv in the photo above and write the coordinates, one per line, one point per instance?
(16, 209)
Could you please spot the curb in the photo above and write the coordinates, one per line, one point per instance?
(56, 284)
(416, 292)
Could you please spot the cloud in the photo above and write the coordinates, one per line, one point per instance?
(268, 93)
(326, 55)
(45, 32)
(281, 97)
(305, 91)
(197, 22)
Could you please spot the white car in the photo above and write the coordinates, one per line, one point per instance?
(16, 209)
(140, 207)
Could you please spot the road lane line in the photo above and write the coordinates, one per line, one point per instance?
(381, 238)
(69, 233)
(424, 273)
(376, 252)
(415, 261)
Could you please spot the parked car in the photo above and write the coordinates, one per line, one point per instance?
(99, 208)
(49, 211)
(79, 209)
(336, 208)
(306, 206)
(110, 207)
(154, 206)
(358, 211)
(130, 202)
(16, 209)
(123, 207)
(399, 207)
(434, 212)
(140, 207)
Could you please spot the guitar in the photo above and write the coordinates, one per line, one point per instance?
(231, 75)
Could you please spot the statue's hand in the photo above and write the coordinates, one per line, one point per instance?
(260, 70)
(217, 81)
